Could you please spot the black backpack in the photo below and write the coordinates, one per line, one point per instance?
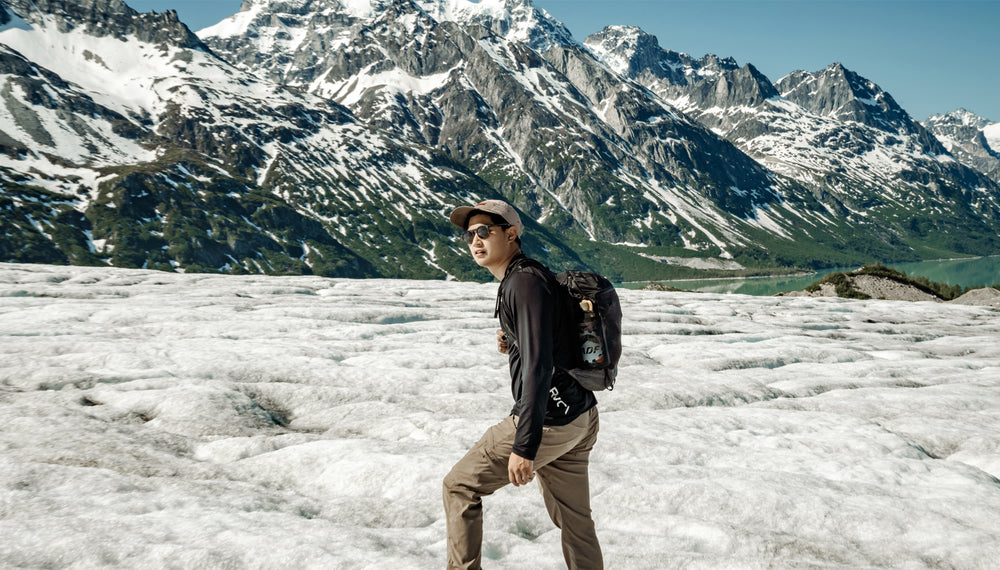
(595, 326)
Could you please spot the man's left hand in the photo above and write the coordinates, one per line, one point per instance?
(502, 345)
(520, 470)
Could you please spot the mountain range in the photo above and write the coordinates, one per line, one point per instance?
(329, 137)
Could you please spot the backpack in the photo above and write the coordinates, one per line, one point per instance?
(595, 326)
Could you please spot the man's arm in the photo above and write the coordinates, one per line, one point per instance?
(532, 301)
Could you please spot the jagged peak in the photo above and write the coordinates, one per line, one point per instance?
(837, 67)
(617, 32)
(624, 40)
(764, 83)
(714, 62)
(632, 52)
(254, 13)
(69, 11)
(623, 47)
(839, 92)
(356, 8)
(838, 76)
(108, 18)
(632, 40)
(403, 13)
(835, 71)
(517, 20)
(465, 10)
(960, 116)
(752, 70)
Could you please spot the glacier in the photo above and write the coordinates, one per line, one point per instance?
(154, 420)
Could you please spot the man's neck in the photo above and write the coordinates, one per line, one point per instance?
(500, 269)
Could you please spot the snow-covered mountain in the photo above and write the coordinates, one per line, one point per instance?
(527, 109)
(992, 134)
(972, 139)
(331, 136)
(151, 151)
(833, 131)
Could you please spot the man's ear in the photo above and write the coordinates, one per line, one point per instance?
(511, 236)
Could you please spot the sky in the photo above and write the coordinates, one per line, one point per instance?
(931, 56)
(154, 419)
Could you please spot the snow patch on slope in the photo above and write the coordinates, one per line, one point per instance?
(992, 134)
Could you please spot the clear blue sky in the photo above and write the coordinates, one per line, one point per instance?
(932, 56)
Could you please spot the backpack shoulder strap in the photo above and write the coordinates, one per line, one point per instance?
(522, 263)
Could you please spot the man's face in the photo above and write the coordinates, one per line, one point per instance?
(493, 249)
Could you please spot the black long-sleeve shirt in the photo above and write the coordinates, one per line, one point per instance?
(533, 317)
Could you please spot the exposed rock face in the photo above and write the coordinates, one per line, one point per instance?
(30, 88)
(880, 288)
(963, 134)
(842, 94)
(109, 18)
(332, 137)
(870, 286)
(833, 131)
(169, 158)
(534, 114)
(875, 287)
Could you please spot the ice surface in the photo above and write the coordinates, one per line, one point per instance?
(164, 420)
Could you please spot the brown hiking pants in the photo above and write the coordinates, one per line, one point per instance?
(561, 465)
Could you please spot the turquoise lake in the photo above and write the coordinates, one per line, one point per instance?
(980, 271)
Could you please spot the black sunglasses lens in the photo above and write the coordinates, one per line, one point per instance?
(482, 231)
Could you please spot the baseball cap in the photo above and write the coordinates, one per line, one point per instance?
(460, 215)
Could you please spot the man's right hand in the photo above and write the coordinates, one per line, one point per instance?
(502, 342)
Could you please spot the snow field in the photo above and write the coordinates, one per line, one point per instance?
(196, 421)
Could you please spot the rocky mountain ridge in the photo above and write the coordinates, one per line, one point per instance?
(833, 131)
(498, 105)
(328, 137)
(102, 18)
(212, 169)
(967, 137)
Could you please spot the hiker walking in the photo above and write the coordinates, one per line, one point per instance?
(553, 425)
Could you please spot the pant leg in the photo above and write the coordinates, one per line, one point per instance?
(481, 472)
(565, 486)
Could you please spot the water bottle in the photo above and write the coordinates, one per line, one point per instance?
(590, 342)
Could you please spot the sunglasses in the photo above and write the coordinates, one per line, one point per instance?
(482, 231)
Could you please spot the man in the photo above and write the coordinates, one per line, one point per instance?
(553, 425)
